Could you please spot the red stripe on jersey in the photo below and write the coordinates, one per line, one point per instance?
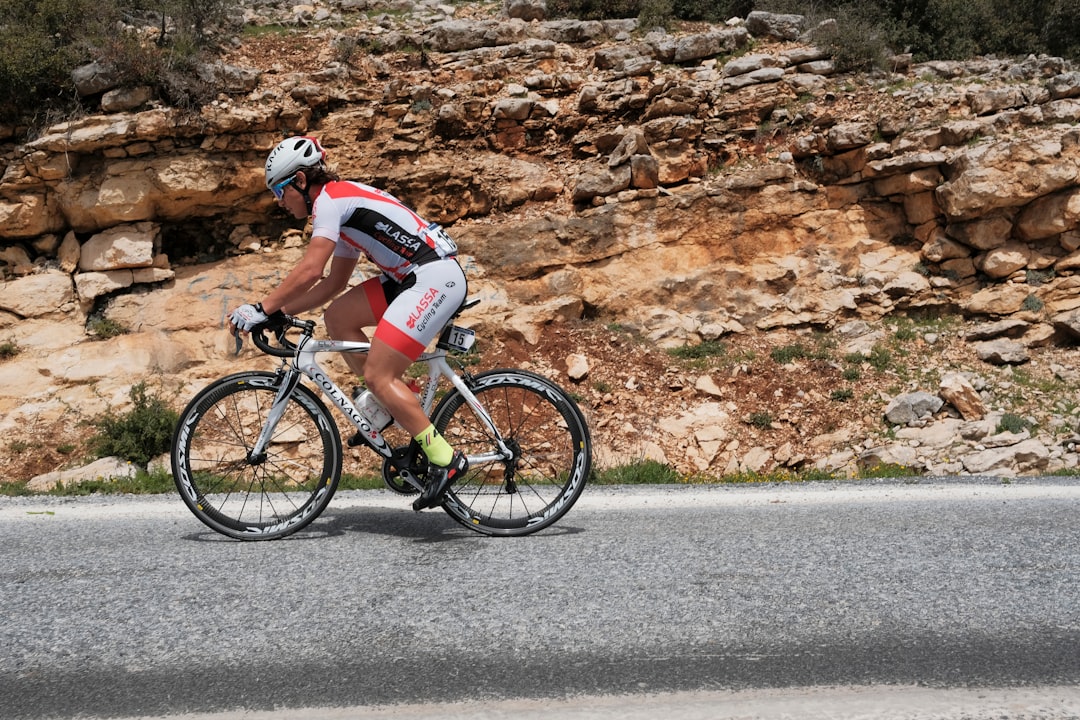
(343, 189)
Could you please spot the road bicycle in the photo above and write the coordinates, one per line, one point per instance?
(257, 455)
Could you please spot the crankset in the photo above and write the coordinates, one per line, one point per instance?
(403, 470)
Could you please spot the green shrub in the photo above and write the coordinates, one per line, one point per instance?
(139, 435)
(761, 420)
(712, 10)
(788, 353)
(904, 332)
(171, 71)
(709, 348)
(594, 9)
(197, 17)
(645, 472)
(1032, 303)
(856, 41)
(651, 12)
(351, 481)
(940, 29)
(1039, 277)
(143, 483)
(1013, 423)
(1060, 31)
(134, 62)
(17, 488)
(880, 358)
(18, 447)
(694, 10)
(41, 41)
(656, 13)
(888, 470)
(842, 394)
(104, 328)
(9, 349)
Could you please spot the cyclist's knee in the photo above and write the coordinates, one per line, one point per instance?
(342, 323)
(334, 319)
(381, 371)
(377, 378)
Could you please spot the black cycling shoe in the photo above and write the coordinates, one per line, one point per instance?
(439, 479)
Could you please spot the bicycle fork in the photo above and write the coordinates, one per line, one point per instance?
(507, 450)
(257, 454)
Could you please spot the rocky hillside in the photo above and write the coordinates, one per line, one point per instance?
(873, 269)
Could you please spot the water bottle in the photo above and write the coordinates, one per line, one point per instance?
(373, 410)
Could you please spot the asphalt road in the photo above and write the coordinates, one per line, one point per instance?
(118, 607)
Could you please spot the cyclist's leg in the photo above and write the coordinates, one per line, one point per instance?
(383, 376)
(411, 321)
(415, 317)
(350, 313)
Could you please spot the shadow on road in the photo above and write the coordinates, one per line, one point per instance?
(432, 526)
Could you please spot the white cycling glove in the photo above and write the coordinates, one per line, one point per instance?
(248, 316)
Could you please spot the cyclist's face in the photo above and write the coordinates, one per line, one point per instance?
(293, 200)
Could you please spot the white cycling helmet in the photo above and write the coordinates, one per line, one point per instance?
(296, 153)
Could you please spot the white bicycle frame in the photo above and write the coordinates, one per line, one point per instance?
(303, 363)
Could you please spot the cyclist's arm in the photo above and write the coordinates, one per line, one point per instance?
(326, 288)
(292, 295)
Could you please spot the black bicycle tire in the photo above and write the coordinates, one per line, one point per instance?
(462, 500)
(228, 459)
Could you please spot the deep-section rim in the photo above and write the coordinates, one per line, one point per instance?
(312, 410)
(580, 445)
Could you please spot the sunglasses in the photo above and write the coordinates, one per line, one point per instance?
(279, 189)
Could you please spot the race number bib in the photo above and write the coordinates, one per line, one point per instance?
(442, 241)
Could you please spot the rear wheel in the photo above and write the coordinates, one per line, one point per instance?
(248, 497)
(551, 453)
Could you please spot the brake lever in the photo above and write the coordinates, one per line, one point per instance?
(239, 343)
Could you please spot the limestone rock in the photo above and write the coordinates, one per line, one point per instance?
(1002, 352)
(121, 246)
(577, 366)
(104, 469)
(1028, 457)
(911, 407)
(959, 392)
(37, 295)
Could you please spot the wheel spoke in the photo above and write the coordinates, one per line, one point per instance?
(551, 453)
(255, 498)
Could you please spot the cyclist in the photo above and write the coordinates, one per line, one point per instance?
(420, 287)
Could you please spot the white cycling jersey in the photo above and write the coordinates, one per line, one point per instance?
(422, 284)
(365, 220)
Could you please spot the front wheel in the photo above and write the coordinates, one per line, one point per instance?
(255, 497)
(551, 453)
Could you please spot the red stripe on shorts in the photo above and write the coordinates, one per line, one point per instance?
(376, 296)
(398, 340)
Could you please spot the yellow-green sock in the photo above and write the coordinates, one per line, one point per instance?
(434, 445)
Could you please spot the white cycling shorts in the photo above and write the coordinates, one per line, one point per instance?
(412, 314)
